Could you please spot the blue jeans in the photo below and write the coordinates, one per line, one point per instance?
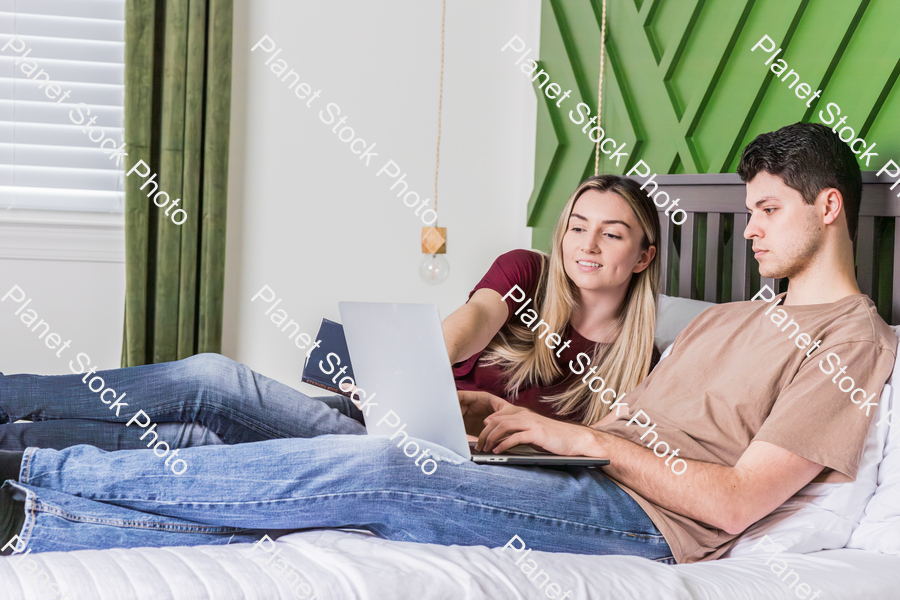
(204, 399)
(86, 498)
(83, 497)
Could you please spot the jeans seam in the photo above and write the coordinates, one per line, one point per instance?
(409, 497)
(199, 528)
(33, 522)
(523, 514)
(26, 464)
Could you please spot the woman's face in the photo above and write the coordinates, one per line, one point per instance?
(602, 244)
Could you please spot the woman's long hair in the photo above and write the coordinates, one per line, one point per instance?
(526, 360)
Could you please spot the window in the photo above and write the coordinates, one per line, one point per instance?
(46, 161)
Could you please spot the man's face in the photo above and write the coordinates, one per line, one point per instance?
(785, 231)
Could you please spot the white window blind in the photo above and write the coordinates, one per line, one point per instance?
(46, 161)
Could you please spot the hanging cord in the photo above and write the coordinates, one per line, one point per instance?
(599, 88)
(437, 161)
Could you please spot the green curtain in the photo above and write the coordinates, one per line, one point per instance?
(177, 110)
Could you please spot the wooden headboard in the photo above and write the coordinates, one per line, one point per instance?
(703, 259)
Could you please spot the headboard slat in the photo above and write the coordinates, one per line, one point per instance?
(663, 249)
(686, 262)
(895, 287)
(740, 273)
(865, 249)
(715, 241)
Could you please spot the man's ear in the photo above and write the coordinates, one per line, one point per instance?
(833, 204)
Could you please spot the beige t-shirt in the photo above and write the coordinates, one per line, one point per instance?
(734, 376)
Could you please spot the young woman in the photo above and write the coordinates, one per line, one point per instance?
(595, 295)
(594, 303)
(598, 290)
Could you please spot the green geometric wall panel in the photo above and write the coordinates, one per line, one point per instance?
(685, 93)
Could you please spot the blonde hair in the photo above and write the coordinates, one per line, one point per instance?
(526, 360)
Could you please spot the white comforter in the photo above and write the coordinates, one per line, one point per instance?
(344, 565)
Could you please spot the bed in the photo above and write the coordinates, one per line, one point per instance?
(344, 565)
(842, 543)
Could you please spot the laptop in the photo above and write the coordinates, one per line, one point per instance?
(398, 352)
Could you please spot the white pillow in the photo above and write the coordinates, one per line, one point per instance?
(673, 315)
(879, 529)
(823, 516)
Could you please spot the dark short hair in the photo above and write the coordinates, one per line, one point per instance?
(809, 158)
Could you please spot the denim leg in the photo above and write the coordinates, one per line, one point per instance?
(60, 529)
(235, 403)
(83, 495)
(62, 433)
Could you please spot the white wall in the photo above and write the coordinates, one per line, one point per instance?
(311, 221)
(72, 267)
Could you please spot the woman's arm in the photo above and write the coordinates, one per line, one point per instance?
(471, 327)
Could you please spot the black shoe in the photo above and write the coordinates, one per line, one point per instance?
(10, 464)
(12, 519)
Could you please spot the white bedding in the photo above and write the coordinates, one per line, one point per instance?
(344, 565)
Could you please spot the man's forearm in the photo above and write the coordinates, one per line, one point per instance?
(704, 491)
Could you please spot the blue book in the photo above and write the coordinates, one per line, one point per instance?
(325, 363)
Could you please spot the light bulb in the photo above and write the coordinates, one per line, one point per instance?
(434, 269)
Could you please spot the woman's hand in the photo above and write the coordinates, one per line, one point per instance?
(513, 425)
(476, 406)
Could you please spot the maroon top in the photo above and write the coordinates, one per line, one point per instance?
(522, 268)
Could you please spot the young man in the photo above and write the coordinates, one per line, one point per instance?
(748, 412)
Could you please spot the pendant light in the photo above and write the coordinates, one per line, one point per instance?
(600, 87)
(434, 268)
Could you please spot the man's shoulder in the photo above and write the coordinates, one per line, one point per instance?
(851, 319)
(859, 319)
